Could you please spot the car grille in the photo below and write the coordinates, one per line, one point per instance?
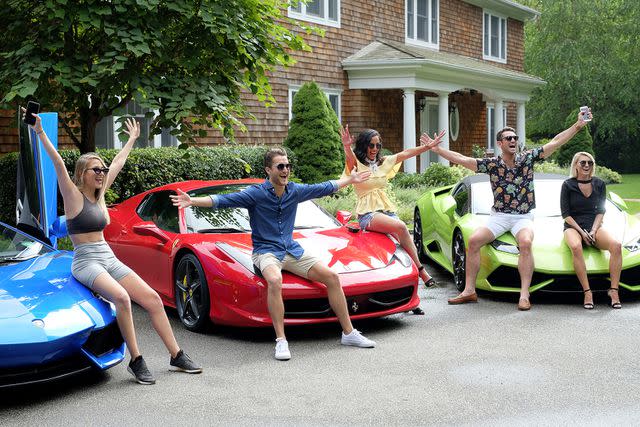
(357, 304)
(104, 340)
(509, 277)
(45, 372)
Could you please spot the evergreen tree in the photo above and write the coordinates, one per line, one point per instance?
(314, 136)
(582, 141)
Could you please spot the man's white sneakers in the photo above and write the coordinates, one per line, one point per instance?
(356, 339)
(282, 349)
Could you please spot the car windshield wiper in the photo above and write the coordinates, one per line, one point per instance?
(223, 230)
(7, 259)
(305, 227)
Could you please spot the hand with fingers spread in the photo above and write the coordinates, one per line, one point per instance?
(358, 177)
(347, 139)
(432, 144)
(181, 200)
(133, 129)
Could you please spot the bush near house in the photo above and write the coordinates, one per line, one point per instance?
(314, 135)
(147, 168)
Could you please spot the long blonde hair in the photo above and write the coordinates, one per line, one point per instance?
(78, 179)
(574, 161)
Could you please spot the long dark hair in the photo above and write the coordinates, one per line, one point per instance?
(362, 144)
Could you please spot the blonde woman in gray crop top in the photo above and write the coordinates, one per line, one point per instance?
(94, 264)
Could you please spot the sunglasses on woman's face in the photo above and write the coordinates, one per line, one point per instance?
(372, 145)
(99, 171)
(584, 163)
(281, 166)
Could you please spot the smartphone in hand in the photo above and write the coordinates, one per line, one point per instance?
(586, 114)
(32, 108)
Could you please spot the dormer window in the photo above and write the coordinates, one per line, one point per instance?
(494, 38)
(422, 22)
(326, 12)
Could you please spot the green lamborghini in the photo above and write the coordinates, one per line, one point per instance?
(445, 218)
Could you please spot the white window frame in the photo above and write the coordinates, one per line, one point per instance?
(491, 136)
(304, 16)
(414, 39)
(326, 91)
(502, 38)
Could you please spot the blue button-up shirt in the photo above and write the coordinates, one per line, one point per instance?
(272, 218)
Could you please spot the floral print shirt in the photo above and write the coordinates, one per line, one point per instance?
(512, 187)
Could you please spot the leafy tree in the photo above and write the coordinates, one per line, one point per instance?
(187, 59)
(587, 51)
(582, 141)
(314, 136)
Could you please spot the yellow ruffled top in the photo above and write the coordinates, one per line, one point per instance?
(371, 193)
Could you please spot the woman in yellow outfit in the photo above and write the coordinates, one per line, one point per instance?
(374, 209)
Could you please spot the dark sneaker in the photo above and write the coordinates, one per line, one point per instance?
(139, 370)
(183, 363)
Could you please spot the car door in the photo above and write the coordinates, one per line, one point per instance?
(460, 194)
(147, 244)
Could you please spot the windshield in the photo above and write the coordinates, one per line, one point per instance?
(15, 246)
(547, 199)
(231, 220)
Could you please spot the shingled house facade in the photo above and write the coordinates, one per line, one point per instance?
(402, 67)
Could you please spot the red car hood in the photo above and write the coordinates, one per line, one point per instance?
(341, 250)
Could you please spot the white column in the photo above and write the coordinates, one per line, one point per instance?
(443, 122)
(409, 131)
(498, 123)
(521, 130)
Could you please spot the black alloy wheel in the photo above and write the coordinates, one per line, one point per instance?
(459, 260)
(417, 236)
(192, 293)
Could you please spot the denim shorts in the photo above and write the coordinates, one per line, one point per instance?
(365, 219)
(92, 259)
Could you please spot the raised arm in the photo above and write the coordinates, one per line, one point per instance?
(67, 188)
(133, 130)
(426, 144)
(183, 200)
(347, 141)
(353, 178)
(453, 156)
(564, 136)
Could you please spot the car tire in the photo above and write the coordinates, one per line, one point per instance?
(192, 293)
(417, 237)
(459, 259)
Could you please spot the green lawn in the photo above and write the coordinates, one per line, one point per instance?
(629, 189)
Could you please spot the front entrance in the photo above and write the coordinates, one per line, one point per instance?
(429, 124)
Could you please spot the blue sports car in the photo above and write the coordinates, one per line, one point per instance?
(51, 326)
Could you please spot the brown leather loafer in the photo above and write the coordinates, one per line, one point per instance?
(524, 304)
(463, 299)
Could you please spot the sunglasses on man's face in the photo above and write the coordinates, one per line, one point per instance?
(281, 166)
(99, 171)
(372, 145)
(510, 138)
(584, 163)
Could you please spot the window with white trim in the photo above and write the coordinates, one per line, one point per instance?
(494, 37)
(326, 12)
(491, 129)
(108, 129)
(333, 95)
(422, 22)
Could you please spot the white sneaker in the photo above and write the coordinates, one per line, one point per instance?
(356, 339)
(282, 350)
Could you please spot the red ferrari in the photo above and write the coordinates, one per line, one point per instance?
(199, 260)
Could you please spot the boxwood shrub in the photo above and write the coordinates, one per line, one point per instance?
(150, 167)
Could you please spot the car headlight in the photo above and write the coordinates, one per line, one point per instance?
(633, 245)
(501, 246)
(402, 256)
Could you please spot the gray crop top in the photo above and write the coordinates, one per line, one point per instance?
(91, 218)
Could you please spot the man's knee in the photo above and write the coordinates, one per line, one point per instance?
(615, 248)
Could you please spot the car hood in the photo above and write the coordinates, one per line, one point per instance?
(342, 250)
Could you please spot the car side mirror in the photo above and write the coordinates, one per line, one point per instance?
(449, 206)
(343, 217)
(617, 200)
(151, 230)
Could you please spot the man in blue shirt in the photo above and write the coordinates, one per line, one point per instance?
(272, 208)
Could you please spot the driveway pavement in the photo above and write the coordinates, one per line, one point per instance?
(476, 364)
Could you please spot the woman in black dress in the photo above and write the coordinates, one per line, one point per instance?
(582, 201)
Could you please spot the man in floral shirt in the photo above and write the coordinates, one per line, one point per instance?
(511, 177)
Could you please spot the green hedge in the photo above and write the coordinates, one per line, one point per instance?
(147, 168)
(436, 175)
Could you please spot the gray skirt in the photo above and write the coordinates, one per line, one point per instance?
(92, 259)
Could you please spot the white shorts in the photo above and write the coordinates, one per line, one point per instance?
(499, 223)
